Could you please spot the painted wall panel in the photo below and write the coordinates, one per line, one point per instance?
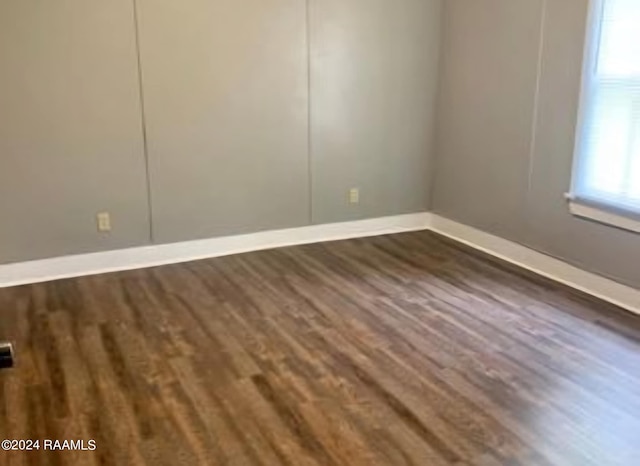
(508, 65)
(373, 90)
(486, 108)
(601, 248)
(229, 91)
(226, 105)
(71, 140)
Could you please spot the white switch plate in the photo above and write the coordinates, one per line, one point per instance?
(354, 196)
(104, 222)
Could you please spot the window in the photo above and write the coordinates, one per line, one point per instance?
(607, 163)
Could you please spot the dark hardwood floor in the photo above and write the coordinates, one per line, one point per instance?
(395, 350)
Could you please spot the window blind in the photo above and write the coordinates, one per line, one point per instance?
(607, 169)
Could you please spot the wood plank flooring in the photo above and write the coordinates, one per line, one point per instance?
(395, 350)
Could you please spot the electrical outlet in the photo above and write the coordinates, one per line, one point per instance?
(354, 196)
(104, 222)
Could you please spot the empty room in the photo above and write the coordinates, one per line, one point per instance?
(320, 232)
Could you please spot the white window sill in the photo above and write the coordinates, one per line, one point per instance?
(603, 216)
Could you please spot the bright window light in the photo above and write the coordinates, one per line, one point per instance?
(607, 166)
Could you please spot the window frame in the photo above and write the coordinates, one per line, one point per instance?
(597, 209)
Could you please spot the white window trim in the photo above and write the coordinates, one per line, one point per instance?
(601, 213)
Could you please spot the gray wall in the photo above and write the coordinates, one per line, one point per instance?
(229, 88)
(70, 128)
(507, 115)
(226, 102)
(373, 87)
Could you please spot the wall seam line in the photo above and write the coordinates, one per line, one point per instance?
(309, 108)
(143, 117)
(536, 101)
(434, 161)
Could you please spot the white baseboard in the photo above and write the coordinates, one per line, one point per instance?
(151, 256)
(547, 266)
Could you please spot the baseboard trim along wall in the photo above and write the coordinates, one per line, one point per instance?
(539, 263)
(157, 255)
